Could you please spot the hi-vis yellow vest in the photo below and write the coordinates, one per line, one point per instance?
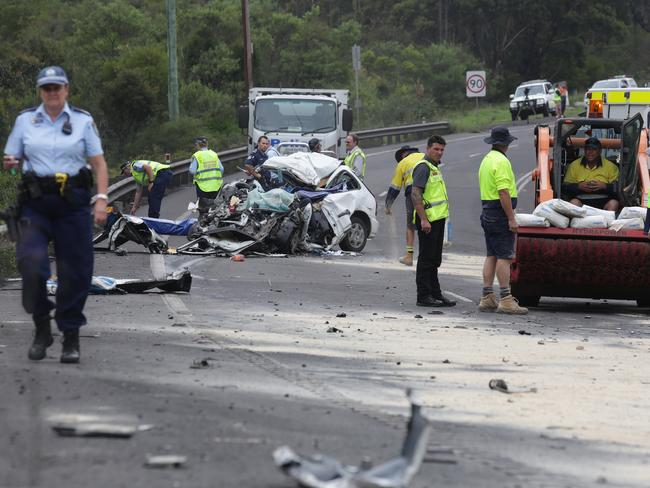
(349, 160)
(436, 203)
(208, 175)
(140, 176)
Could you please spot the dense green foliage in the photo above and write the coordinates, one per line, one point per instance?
(414, 57)
(7, 197)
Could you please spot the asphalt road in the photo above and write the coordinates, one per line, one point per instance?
(274, 375)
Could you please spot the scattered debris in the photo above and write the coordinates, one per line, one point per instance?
(418, 316)
(498, 385)
(580, 348)
(165, 461)
(341, 315)
(446, 361)
(327, 472)
(436, 312)
(178, 281)
(523, 332)
(334, 329)
(238, 258)
(95, 429)
(201, 363)
(121, 252)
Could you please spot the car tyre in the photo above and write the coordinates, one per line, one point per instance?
(356, 238)
(643, 302)
(528, 300)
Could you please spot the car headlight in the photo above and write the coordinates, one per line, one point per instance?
(539, 101)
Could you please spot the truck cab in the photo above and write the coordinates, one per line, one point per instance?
(290, 117)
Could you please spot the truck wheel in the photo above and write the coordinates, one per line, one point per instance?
(356, 238)
(528, 301)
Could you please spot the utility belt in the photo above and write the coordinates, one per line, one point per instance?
(32, 187)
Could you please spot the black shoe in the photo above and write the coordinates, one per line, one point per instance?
(42, 338)
(70, 350)
(446, 302)
(435, 302)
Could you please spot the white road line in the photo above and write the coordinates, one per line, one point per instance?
(459, 297)
(523, 181)
(474, 155)
(382, 194)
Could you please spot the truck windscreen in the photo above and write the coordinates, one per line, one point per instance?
(295, 115)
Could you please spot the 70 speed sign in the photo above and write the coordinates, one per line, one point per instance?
(475, 85)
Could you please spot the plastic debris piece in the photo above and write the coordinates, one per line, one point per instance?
(498, 385)
(165, 461)
(523, 332)
(200, 363)
(333, 329)
(238, 258)
(326, 472)
(95, 429)
(341, 315)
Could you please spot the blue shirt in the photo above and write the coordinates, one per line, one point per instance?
(195, 164)
(256, 158)
(43, 146)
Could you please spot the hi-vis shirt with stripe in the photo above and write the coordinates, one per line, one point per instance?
(403, 175)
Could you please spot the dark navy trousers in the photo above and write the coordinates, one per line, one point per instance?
(157, 192)
(68, 225)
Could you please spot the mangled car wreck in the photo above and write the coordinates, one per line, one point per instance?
(303, 202)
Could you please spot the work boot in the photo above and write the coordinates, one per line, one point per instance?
(70, 350)
(407, 259)
(488, 303)
(42, 338)
(510, 305)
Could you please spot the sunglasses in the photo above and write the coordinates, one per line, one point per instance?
(51, 88)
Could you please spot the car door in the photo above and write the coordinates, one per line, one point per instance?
(629, 177)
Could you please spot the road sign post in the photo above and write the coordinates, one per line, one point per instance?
(475, 86)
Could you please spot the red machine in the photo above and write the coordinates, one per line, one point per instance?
(586, 263)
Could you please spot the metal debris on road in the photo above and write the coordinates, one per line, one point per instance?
(498, 385)
(201, 363)
(334, 329)
(95, 429)
(326, 472)
(523, 332)
(165, 461)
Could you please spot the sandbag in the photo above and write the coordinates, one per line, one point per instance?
(590, 222)
(629, 224)
(633, 213)
(556, 219)
(566, 208)
(530, 220)
(591, 211)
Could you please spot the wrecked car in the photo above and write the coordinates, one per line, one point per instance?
(303, 202)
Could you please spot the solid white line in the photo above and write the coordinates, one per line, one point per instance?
(474, 155)
(459, 297)
(383, 194)
(523, 181)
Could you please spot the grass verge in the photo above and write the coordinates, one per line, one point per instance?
(8, 267)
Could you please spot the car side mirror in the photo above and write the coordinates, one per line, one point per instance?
(346, 119)
(511, 96)
(242, 116)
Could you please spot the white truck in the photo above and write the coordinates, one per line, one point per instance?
(619, 103)
(291, 117)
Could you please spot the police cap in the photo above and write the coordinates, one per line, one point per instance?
(52, 75)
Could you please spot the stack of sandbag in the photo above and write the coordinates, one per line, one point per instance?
(594, 218)
(530, 220)
(558, 212)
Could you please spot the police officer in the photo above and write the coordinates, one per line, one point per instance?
(207, 170)
(53, 142)
(356, 158)
(429, 195)
(155, 176)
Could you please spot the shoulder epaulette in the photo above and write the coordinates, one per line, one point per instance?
(30, 109)
(80, 110)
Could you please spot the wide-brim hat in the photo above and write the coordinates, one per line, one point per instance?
(500, 135)
(404, 151)
(52, 75)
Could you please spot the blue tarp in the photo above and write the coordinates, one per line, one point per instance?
(169, 227)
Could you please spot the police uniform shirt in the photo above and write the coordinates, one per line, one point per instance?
(46, 149)
(256, 158)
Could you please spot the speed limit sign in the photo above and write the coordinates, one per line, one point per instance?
(475, 83)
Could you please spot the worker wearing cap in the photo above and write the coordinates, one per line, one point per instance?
(314, 145)
(207, 170)
(592, 179)
(54, 141)
(152, 175)
(498, 201)
(356, 158)
(407, 157)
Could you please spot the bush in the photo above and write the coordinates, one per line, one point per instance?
(7, 248)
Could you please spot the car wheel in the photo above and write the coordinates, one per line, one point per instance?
(356, 238)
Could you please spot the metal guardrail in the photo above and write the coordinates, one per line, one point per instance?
(122, 189)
